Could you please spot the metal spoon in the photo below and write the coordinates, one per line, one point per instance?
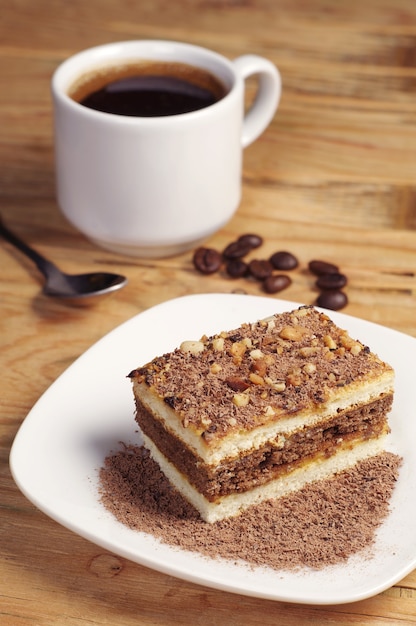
(71, 288)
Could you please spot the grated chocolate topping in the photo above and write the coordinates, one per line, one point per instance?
(243, 378)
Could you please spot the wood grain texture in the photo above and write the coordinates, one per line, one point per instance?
(333, 177)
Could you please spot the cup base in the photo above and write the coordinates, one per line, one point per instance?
(148, 252)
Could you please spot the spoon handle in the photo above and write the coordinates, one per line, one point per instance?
(43, 265)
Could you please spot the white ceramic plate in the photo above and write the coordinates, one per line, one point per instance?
(63, 441)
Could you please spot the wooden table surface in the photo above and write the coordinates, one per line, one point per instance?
(333, 177)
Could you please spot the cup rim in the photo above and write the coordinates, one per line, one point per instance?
(92, 58)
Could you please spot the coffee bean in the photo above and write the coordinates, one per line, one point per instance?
(207, 260)
(322, 267)
(236, 250)
(276, 282)
(260, 269)
(236, 268)
(254, 241)
(331, 281)
(283, 260)
(333, 300)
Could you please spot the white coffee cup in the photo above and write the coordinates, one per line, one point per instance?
(156, 186)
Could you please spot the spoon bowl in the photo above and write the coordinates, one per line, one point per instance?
(70, 288)
(82, 287)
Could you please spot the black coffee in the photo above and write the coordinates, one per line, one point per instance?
(148, 89)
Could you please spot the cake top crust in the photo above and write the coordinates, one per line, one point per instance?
(260, 372)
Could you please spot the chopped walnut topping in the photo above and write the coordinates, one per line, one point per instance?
(294, 377)
(218, 344)
(308, 351)
(194, 347)
(346, 341)
(256, 366)
(238, 349)
(256, 379)
(329, 342)
(276, 385)
(309, 368)
(294, 333)
(240, 399)
(259, 367)
(237, 384)
(256, 354)
(247, 342)
(350, 344)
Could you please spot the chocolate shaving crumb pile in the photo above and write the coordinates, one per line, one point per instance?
(323, 524)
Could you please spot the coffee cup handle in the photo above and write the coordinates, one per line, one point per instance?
(267, 98)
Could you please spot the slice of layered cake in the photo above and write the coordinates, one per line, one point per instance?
(261, 410)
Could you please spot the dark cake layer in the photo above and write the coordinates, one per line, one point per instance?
(273, 460)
